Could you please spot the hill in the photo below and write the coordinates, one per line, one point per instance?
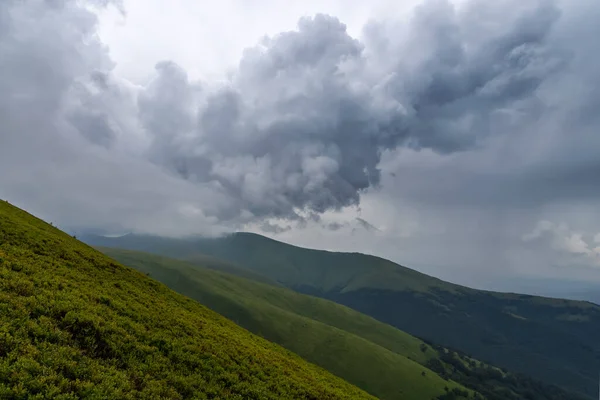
(76, 324)
(552, 340)
(289, 265)
(329, 334)
(358, 348)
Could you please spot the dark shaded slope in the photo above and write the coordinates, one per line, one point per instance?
(75, 324)
(549, 339)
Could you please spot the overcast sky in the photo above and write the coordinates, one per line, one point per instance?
(459, 138)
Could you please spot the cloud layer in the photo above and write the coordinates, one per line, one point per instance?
(483, 106)
(302, 123)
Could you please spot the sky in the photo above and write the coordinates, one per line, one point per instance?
(458, 138)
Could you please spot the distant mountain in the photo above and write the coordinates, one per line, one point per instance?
(553, 340)
(572, 289)
(75, 324)
(591, 296)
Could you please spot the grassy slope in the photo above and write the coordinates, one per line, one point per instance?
(358, 348)
(260, 307)
(230, 268)
(75, 324)
(549, 339)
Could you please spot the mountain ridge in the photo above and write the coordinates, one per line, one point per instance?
(523, 333)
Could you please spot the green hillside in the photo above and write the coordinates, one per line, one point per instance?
(552, 340)
(365, 352)
(290, 265)
(328, 334)
(75, 324)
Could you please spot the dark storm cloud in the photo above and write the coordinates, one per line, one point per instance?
(95, 127)
(302, 124)
(274, 228)
(304, 119)
(366, 224)
(548, 155)
(465, 85)
(334, 226)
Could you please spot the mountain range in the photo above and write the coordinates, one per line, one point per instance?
(551, 340)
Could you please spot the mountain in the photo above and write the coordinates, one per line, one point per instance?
(374, 356)
(591, 296)
(552, 340)
(76, 324)
(572, 289)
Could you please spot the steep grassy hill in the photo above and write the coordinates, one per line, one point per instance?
(358, 348)
(328, 334)
(75, 324)
(549, 339)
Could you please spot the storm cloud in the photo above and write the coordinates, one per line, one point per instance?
(482, 105)
(303, 121)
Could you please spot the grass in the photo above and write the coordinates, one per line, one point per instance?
(348, 343)
(76, 324)
(551, 340)
(358, 348)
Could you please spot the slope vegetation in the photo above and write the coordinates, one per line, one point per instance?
(364, 351)
(75, 324)
(551, 340)
(373, 355)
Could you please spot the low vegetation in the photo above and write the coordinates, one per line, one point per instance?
(329, 334)
(76, 324)
(365, 352)
(551, 340)
(491, 382)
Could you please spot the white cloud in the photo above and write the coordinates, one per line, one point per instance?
(207, 38)
(563, 239)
